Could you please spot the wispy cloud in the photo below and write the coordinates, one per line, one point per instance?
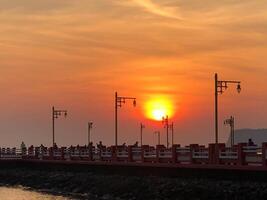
(157, 9)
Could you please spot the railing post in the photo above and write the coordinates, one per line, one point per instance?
(23, 152)
(62, 153)
(36, 152)
(174, 153)
(220, 147)
(158, 148)
(192, 148)
(100, 152)
(114, 152)
(90, 152)
(70, 151)
(212, 154)
(29, 151)
(130, 153)
(241, 153)
(79, 152)
(143, 153)
(263, 149)
(51, 153)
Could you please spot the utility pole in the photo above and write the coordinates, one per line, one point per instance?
(119, 100)
(171, 126)
(158, 134)
(165, 121)
(231, 122)
(216, 109)
(142, 126)
(220, 87)
(55, 115)
(90, 126)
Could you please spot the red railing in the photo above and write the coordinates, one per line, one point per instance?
(241, 154)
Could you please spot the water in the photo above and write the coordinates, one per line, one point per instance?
(20, 193)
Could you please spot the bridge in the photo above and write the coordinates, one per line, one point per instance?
(239, 157)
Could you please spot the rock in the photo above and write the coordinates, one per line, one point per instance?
(107, 197)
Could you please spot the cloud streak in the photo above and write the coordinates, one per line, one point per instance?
(154, 8)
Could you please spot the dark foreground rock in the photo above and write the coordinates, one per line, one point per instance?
(88, 185)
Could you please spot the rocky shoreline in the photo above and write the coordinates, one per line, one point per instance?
(89, 185)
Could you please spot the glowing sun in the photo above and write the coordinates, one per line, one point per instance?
(159, 107)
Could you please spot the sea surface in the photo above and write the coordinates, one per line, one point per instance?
(20, 193)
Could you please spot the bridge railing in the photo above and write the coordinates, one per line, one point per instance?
(253, 155)
(228, 153)
(106, 154)
(241, 154)
(150, 154)
(166, 153)
(201, 154)
(183, 155)
(10, 153)
(135, 153)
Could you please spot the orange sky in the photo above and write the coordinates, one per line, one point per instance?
(76, 54)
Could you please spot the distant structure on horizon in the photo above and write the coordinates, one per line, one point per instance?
(243, 135)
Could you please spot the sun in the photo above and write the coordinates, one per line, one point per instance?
(157, 108)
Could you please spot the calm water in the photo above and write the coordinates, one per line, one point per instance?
(22, 194)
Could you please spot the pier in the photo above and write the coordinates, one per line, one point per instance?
(244, 157)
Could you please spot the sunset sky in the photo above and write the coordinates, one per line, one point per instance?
(74, 54)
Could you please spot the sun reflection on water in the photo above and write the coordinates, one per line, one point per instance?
(19, 193)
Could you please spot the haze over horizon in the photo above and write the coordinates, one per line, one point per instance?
(74, 55)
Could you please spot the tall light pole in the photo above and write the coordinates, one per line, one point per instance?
(55, 115)
(231, 122)
(142, 126)
(220, 87)
(90, 126)
(119, 100)
(158, 134)
(171, 126)
(165, 121)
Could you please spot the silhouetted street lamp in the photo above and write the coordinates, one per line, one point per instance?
(220, 87)
(171, 126)
(231, 122)
(158, 134)
(118, 103)
(90, 126)
(55, 115)
(142, 126)
(165, 121)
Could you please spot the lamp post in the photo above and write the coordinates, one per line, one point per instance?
(231, 122)
(171, 126)
(165, 121)
(220, 87)
(119, 100)
(158, 133)
(55, 115)
(142, 126)
(90, 126)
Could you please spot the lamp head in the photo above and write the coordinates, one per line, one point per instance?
(134, 102)
(238, 88)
